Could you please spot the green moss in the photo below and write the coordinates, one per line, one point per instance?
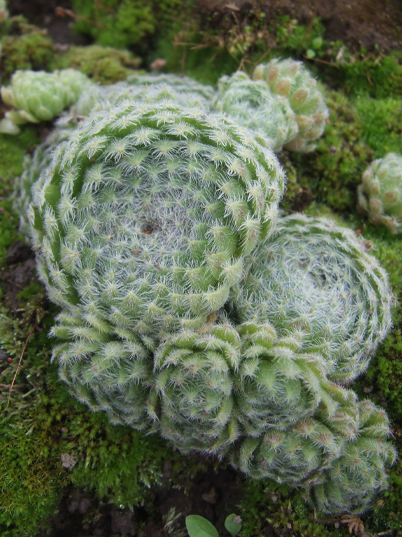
(265, 502)
(381, 120)
(335, 168)
(378, 77)
(27, 47)
(12, 150)
(116, 462)
(8, 223)
(102, 64)
(30, 291)
(31, 478)
(123, 23)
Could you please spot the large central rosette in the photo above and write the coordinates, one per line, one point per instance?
(141, 223)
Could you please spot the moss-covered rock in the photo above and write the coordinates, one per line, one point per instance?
(123, 23)
(24, 46)
(102, 64)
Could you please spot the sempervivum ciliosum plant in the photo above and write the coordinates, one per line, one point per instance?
(380, 194)
(291, 79)
(39, 96)
(360, 472)
(315, 283)
(145, 214)
(253, 105)
(195, 373)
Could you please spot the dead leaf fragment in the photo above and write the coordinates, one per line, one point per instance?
(158, 64)
(355, 524)
(68, 461)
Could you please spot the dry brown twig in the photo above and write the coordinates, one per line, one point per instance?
(355, 524)
(20, 360)
(63, 12)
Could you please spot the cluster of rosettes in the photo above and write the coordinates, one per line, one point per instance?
(380, 194)
(191, 309)
(280, 103)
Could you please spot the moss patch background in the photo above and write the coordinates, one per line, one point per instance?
(124, 476)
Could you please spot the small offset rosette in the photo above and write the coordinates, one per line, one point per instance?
(297, 453)
(361, 471)
(380, 193)
(109, 374)
(38, 96)
(252, 104)
(290, 79)
(194, 378)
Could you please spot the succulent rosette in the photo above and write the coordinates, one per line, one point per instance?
(295, 455)
(194, 376)
(360, 472)
(316, 283)
(290, 79)
(114, 375)
(253, 105)
(39, 96)
(143, 218)
(380, 193)
(278, 384)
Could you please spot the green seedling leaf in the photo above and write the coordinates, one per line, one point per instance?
(233, 524)
(198, 526)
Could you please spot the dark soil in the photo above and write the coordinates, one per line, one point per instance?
(20, 272)
(213, 495)
(357, 22)
(42, 13)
